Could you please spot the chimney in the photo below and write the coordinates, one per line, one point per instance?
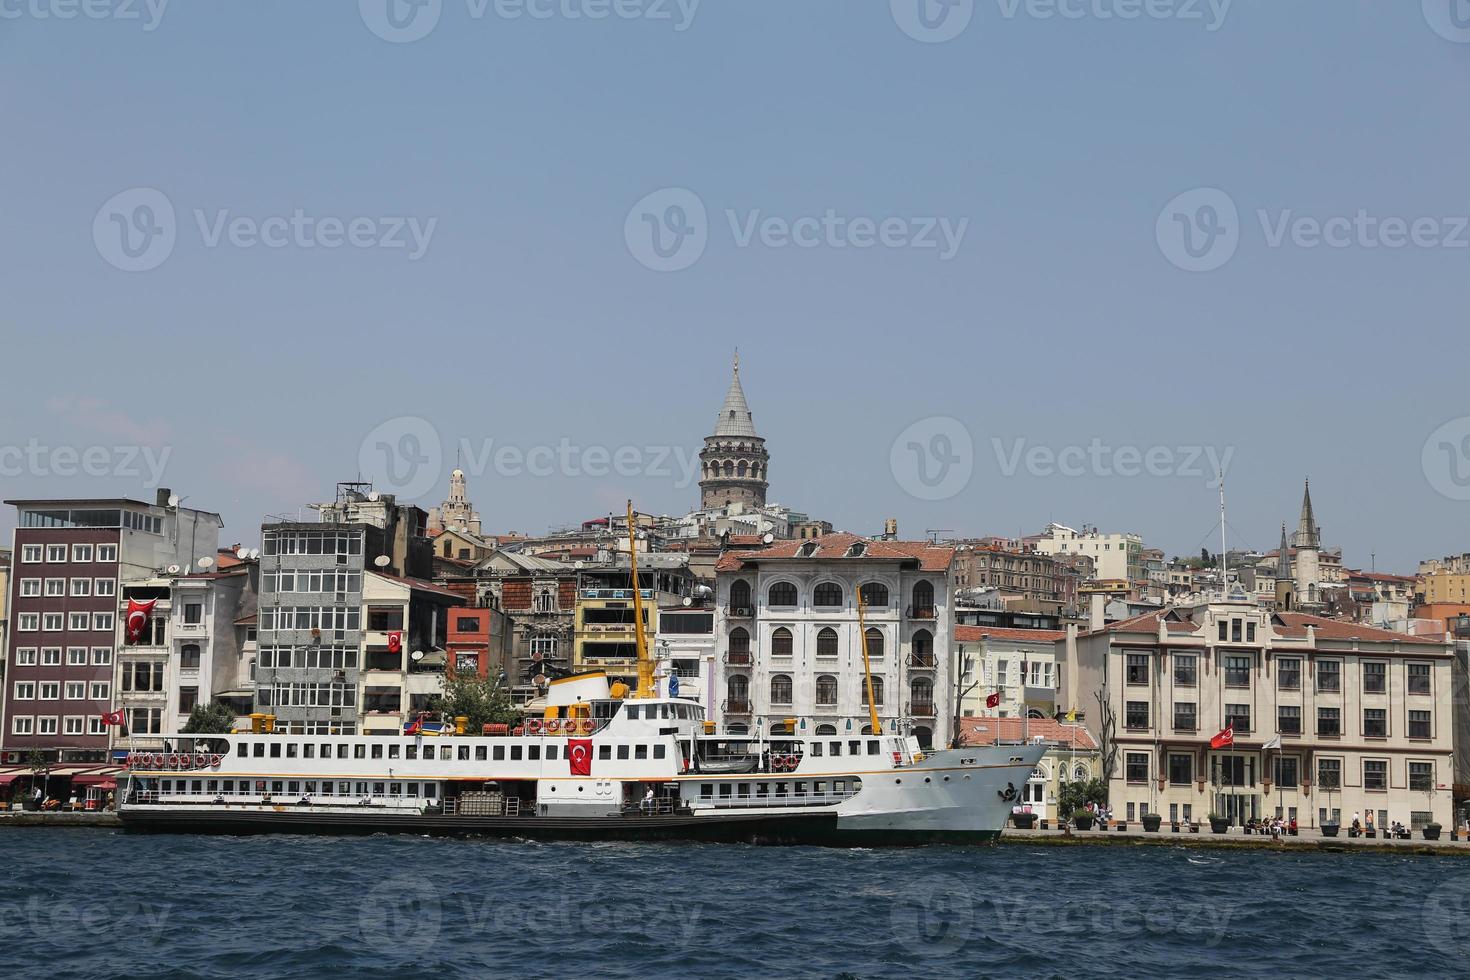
(161, 496)
(890, 529)
(1098, 615)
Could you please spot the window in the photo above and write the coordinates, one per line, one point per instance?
(25, 690)
(30, 587)
(738, 691)
(1250, 631)
(1137, 669)
(1375, 677)
(1137, 767)
(1419, 726)
(740, 596)
(101, 656)
(1421, 776)
(827, 595)
(188, 698)
(46, 725)
(25, 657)
(56, 586)
(1136, 714)
(1289, 719)
(189, 656)
(1375, 774)
(877, 690)
(1418, 678)
(101, 690)
(1329, 675)
(826, 690)
(77, 621)
(56, 552)
(193, 613)
(105, 586)
(76, 656)
(28, 622)
(1286, 770)
(1375, 723)
(72, 725)
(781, 644)
(1224, 634)
(923, 599)
(1185, 719)
(1181, 769)
(782, 594)
(1289, 674)
(107, 552)
(30, 553)
(874, 637)
(81, 586)
(50, 690)
(102, 621)
(1329, 721)
(76, 690)
(781, 689)
(740, 643)
(1186, 670)
(51, 622)
(81, 552)
(1235, 631)
(1237, 671)
(1238, 716)
(20, 725)
(1329, 773)
(827, 642)
(51, 656)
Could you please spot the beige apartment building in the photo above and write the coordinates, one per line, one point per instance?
(1364, 716)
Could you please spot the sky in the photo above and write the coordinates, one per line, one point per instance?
(988, 263)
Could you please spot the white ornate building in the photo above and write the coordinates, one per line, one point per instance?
(787, 636)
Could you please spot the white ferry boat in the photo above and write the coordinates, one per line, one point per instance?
(600, 763)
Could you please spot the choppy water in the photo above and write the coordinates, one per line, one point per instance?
(93, 904)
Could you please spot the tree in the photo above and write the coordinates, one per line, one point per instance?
(215, 718)
(1075, 796)
(482, 701)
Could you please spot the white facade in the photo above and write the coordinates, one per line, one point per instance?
(1114, 556)
(1021, 668)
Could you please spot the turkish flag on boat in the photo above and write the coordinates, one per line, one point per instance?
(1227, 737)
(395, 642)
(138, 615)
(993, 701)
(113, 717)
(579, 755)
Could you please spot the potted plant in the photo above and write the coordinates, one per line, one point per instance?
(1024, 821)
(1082, 819)
(1431, 831)
(1329, 829)
(1218, 823)
(1151, 822)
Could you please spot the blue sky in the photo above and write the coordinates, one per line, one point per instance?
(1060, 152)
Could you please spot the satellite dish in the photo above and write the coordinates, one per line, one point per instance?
(416, 655)
(174, 569)
(173, 500)
(241, 551)
(254, 553)
(381, 561)
(578, 564)
(374, 496)
(688, 601)
(768, 537)
(206, 562)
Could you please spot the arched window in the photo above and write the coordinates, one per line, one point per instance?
(925, 737)
(826, 729)
(827, 642)
(729, 468)
(737, 688)
(783, 594)
(781, 689)
(923, 647)
(923, 599)
(740, 643)
(740, 594)
(827, 595)
(877, 690)
(875, 643)
(740, 469)
(826, 690)
(875, 595)
(781, 642)
(189, 656)
(921, 693)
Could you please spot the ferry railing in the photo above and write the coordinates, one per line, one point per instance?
(742, 801)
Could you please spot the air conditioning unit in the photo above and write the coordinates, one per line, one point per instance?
(12, 758)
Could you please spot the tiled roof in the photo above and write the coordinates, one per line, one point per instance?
(1295, 625)
(417, 584)
(972, 634)
(985, 731)
(834, 547)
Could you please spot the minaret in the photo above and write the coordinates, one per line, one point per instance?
(456, 513)
(733, 461)
(1285, 586)
(1308, 558)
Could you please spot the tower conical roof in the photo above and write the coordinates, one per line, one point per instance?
(1283, 563)
(1307, 532)
(735, 419)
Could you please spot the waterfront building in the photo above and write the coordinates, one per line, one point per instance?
(1328, 718)
(539, 594)
(1116, 556)
(787, 635)
(1030, 575)
(604, 636)
(479, 644)
(685, 646)
(71, 557)
(404, 654)
(1019, 665)
(1072, 755)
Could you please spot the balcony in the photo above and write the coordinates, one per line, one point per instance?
(923, 661)
(738, 659)
(735, 706)
(922, 709)
(922, 612)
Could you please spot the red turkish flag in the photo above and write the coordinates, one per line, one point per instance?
(138, 616)
(395, 642)
(579, 755)
(993, 701)
(113, 717)
(1227, 737)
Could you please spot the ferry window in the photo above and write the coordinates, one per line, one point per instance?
(464, 753)
(377, 789)
(724, 790)
(819, 787)
(622, 751)
(393, 751)
(311, 787)
(377, 751)
(244, 748)
(499, 753)
(290, 750)
(294, 787)
(197, 786)
(228, 786)
(413, 789)
(706, 790)
(834, 748)
(326, 750)
(344, 789)
(744, 789)
(762, 789)
(816, 749)
(801, 789)
(308, 751)
(481, 753)
(604, 751)
(327, 788)
(631, 711)
(275, 750)
(640, 752)
(839, 786)
(359, 751)
(395, 789)
(515, 753)
(854, 748)
(873, 748)
(533, 752)
(551, 752)
(428, 751)
(780, 789)
(412, 752)
(277, 786)
(660, 751)
(663, 711)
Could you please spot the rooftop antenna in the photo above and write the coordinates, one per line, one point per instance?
(1224, 592)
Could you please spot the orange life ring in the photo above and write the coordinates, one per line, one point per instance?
(534, 726)
(553, 726)
(587, 726)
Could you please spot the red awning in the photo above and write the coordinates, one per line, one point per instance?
(95, 779)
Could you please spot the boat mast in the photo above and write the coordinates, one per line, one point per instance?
(867, 666)
(645, 664)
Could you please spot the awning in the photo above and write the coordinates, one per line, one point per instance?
(105, 780)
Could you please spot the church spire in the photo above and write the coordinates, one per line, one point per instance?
(1308, 534)
(1283, 564)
